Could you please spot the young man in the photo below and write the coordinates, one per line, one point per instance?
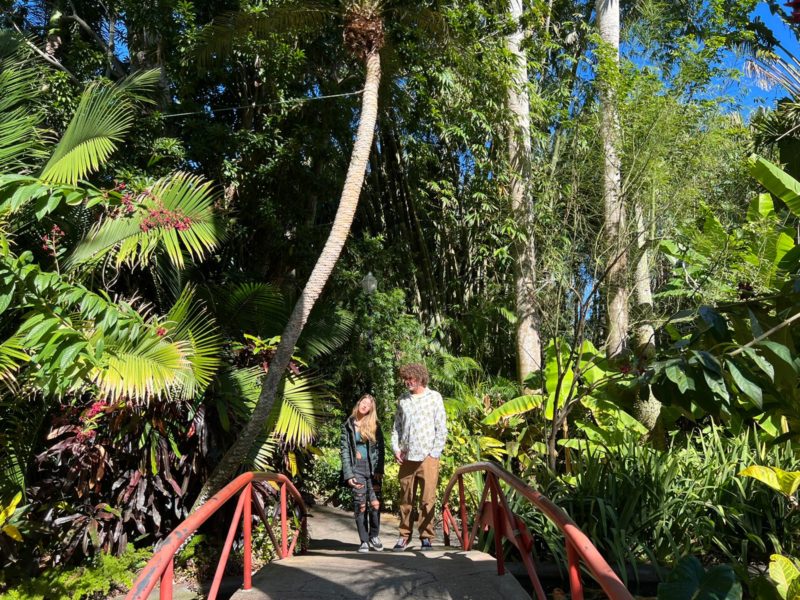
(418, 437)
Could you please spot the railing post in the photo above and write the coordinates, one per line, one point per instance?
(247, 529)
(165, 589)
(226, 549)
(498, 528)
(462, 509)
(573, 564)
(284, 524)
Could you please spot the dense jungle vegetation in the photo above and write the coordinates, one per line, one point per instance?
(571, 210)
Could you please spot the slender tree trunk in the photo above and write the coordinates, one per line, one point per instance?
(529, 344)
(646, 408)
(645, 333)
(615, 226)
(235, 456)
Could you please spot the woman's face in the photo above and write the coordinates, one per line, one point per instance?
(364, 406)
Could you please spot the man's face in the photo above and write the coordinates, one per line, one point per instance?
(413, 384)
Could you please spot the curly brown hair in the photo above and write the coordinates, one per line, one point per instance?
(416, 371)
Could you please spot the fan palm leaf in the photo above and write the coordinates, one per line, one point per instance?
(326, 333)
(103, 117)
(175, 215)
(143, 369)
(187, 321)
(12, 355)
(256, 308)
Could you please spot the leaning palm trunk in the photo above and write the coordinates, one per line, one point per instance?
(616, 246)
(236, 455)
(529, 345)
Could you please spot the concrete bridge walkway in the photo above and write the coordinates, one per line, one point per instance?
(332, 569)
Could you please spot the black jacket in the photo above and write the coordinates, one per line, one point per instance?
(348, 448)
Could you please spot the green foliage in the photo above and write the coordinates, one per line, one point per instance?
(779, 480)
(638, 504)
(785, 573)
(103, 576)
(690, 581)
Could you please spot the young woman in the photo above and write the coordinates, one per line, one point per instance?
(362, 469)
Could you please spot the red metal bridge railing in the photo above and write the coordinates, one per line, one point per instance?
(161, 566)
(494, 512)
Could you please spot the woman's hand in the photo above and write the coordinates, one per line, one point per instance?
(353, 483)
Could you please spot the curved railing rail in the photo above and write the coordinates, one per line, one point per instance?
(493, 511)
(161, 566)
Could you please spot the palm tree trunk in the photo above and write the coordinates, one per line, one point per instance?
(615, 222)
(235, 456)
(528, 339)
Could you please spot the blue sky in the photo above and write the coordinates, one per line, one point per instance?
(748, 93)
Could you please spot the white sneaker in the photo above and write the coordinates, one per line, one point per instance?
(376, 543)
(364, 547)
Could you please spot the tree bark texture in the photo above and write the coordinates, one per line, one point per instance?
(528, 338)
(235, 456)
(645, 333)
(614, 207)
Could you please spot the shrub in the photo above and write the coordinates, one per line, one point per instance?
(103, 575)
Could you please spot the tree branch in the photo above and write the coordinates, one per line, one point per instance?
(766, 334)
(114, 63)
(45, 56)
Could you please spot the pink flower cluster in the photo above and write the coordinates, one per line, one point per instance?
(87, 434)
(96, 408)
(167, 219)
(50, 241)
(161, 331)
(127, 203)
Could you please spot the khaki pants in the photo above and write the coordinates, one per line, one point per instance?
(424, 474)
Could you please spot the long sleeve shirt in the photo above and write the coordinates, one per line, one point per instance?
(420, 425)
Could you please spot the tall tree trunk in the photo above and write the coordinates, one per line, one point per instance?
(529, 344)
(235, 456)
(646, 408)
(615, 227)
(645, 333)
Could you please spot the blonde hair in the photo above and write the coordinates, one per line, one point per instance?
(368, 424)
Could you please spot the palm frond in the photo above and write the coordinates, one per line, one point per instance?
(218, 39)
(296, 419)
(143, 369)
(256, 308)
(324, 334)
(20, 141)
(103, 117)
(188, 321)
(175, 214)
(12, 355)
(20, 419)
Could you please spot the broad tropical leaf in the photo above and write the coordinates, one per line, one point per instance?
(785, 482)
(514, 407)
(777, 181)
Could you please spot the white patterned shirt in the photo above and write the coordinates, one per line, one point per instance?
(420, 425)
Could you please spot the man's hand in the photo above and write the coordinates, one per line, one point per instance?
(400, 456)
(353, 483)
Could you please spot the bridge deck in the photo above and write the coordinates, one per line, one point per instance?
(333, 570)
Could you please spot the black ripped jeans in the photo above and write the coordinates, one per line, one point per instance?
(366, 501)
